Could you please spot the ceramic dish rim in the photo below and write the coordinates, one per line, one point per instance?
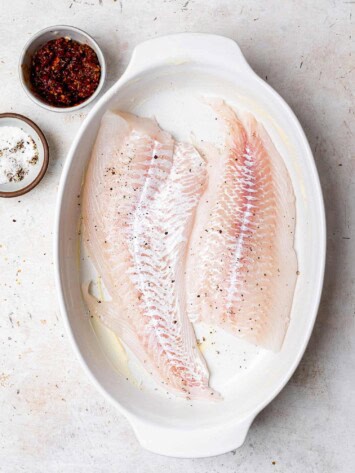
(318, 284)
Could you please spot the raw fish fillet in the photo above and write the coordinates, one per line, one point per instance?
(241, 269)
(140, 195)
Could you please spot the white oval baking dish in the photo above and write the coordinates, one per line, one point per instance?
(165, 78)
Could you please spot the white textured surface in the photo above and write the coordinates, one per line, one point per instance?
(51, 418)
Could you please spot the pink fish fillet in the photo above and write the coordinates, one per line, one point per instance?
(241, 269)
(140, 195)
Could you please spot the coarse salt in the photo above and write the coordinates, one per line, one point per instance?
(18, 153)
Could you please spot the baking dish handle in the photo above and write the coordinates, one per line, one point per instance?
(177, 49)
(195, 443)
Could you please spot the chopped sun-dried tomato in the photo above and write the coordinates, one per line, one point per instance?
(65, 72)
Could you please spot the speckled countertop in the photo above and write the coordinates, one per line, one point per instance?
(51, 418)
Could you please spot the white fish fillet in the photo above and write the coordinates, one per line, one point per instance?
(140, 195)
(241, 269)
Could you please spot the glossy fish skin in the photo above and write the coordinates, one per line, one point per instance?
(138, 209)
(242, 265)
